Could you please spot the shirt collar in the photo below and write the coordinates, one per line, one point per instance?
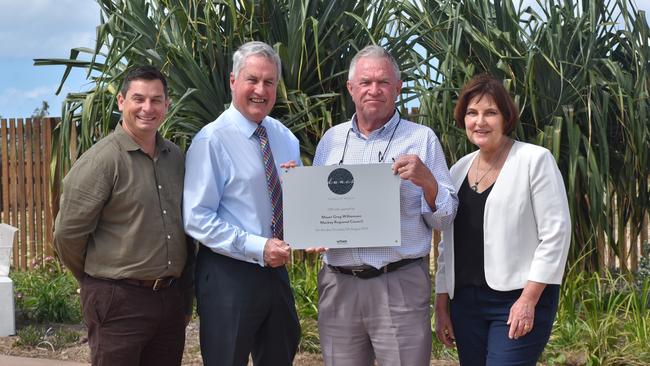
(388, 126)
(246, 126)
(128, 144)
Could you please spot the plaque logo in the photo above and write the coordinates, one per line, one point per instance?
(340, 181)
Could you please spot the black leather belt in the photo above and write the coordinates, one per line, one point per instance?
(157, 284)
(372, 272)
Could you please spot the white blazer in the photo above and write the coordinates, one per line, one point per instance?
(526, 223)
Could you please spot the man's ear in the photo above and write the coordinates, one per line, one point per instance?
(120, 101)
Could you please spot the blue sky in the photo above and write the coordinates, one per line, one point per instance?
(49, 29)
(41, 29)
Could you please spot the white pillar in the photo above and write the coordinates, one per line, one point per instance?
(7, 314)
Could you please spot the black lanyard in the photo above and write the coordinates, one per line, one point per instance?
(382, 156)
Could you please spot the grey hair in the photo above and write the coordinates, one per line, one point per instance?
(375, 52)
(254, 48)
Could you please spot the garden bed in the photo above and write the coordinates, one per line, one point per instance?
(78, 351)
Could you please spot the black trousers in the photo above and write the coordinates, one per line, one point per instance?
(244, 309)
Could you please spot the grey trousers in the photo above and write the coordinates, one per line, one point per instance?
(386, 318)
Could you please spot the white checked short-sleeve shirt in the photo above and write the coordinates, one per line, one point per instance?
(417, 218)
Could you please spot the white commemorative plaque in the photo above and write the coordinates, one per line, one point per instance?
(341, 206)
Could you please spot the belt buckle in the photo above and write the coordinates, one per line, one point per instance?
(157, 285)
(355, 272)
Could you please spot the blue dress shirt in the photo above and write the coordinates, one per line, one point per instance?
(417, 218)
(226, 203)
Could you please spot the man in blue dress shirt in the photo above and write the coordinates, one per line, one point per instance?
(242, 287)
(374, 302)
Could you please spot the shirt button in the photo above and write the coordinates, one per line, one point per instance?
(164, 212)
(169, 236)
(170, 262)
(159, 186)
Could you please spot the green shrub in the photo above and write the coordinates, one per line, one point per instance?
(303, 275)
(603, 319)
(29, 336)
(63, 338)
(37, 336)
(47, 293)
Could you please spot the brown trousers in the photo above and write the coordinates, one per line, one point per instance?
(131, 325)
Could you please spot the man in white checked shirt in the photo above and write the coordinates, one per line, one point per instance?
(374, 302)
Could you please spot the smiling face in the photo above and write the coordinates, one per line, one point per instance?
(484, 123)
(254, 88)
(143, 107)
(374, 89)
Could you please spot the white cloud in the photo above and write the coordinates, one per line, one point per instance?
(10, 95)
(19, 103)
(46, 28)
(38, 92)
(638, 5)
(643, 5)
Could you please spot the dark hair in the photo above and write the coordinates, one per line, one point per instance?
(146, 72)
(485, 85)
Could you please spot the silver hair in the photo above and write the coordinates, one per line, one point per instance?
(254, 48)
(375, 52)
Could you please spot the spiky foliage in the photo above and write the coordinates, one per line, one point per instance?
(192, 41)
(579, 73)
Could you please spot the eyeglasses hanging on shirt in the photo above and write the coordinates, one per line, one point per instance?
(381, 156)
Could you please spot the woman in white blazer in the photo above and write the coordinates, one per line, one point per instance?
(501, 263)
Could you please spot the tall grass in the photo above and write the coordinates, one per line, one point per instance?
(603, 319)
(578, 71)
(303, 274)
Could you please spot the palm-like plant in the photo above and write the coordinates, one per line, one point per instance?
(192, 41)
(579, 72)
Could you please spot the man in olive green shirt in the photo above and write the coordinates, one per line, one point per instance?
(119, 230)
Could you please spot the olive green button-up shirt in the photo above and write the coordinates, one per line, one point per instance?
(120, 212)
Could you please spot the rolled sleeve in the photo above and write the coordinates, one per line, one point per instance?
(443, 216)
(446, 200)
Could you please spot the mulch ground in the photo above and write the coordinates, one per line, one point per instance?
(79, 351)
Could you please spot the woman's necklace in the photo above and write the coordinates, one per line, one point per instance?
(474, 186)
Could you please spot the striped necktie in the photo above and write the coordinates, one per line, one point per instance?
(272, 182)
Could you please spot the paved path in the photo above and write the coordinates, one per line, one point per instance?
(23, 361)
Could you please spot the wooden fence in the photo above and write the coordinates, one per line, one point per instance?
(25, 182)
